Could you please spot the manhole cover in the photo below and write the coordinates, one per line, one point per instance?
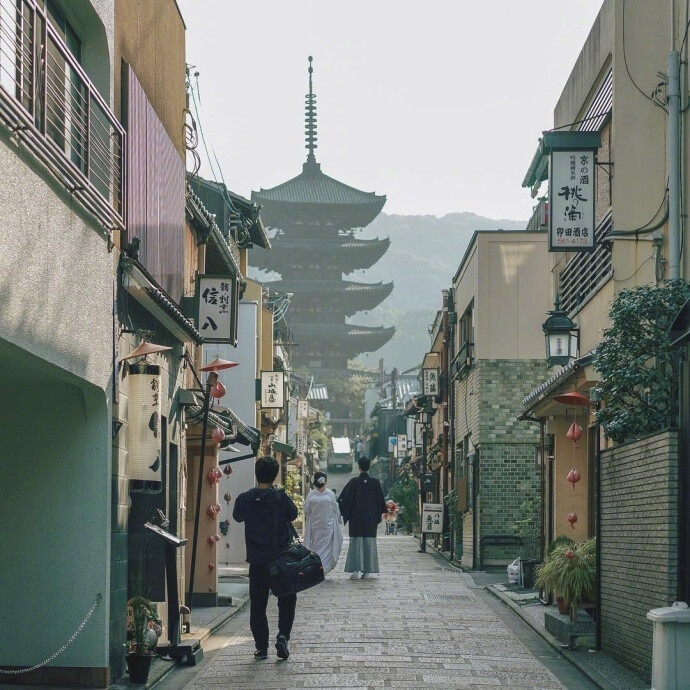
(449, 598)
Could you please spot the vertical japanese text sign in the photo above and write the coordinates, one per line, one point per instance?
(215, 299)
(402, 445)
(272, 389)
(302, 409)
(430, 381)
(572, 188)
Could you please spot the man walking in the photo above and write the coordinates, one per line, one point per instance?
(256, 508)
(362, 504)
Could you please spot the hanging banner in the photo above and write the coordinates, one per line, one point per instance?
(272, 390)
(302, 409)
(215, 307)
(430, 381)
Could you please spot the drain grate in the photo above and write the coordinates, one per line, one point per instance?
(449, 598)
(450, 569)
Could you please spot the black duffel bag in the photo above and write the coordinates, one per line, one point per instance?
(295, 567)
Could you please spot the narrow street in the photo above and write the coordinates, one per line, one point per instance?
(419, 624)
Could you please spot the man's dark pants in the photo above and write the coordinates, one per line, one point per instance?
(258, 595)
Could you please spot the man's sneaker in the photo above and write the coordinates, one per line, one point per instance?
(261, 654)
(366, 576)
(282, 647)
(355, 575)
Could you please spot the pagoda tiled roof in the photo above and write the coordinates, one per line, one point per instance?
(349, 337)
(312, 186)
(346, 252)
(327, 287)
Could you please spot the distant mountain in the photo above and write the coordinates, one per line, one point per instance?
(424, 254)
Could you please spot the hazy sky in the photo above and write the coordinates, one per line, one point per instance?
(438, 104)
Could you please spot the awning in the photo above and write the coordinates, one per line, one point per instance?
(139, 284)
(284, 448)
(228, 421)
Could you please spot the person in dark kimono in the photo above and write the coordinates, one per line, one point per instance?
(362, 505)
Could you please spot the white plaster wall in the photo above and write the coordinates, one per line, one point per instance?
(56, 275)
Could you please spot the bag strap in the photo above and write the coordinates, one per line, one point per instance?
(276, 526)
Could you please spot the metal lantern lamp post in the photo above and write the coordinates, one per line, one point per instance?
(561, 336)
(212, 368)
(425, 421)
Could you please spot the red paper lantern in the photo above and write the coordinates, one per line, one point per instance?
(574, 433)
(218, 391)
(572, 518)
(227, 470)
(211, 512)
(227, 497)
(211, 477)
(218, 434)
(217, 508)
(211, 541)
(569, 554)
(211, 567)
(573, 477)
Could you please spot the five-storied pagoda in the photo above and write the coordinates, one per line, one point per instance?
(315, 217)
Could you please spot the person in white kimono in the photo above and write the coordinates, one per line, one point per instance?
(322, 532)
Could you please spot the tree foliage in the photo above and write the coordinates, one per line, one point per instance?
(404, 493)
(638, 366)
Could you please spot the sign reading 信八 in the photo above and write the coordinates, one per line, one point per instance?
(216, 308)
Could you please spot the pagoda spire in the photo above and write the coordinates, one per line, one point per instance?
(310, 119)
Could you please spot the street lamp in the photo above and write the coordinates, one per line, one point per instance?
(561, 335)
(211, 380)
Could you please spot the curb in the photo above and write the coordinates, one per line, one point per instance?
(167, 666)
(593, 675)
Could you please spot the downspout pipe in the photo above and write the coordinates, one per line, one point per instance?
(673, 158)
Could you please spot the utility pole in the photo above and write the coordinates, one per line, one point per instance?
(394, 379)
(673, 157)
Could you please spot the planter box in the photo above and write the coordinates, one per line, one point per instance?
(581, 633)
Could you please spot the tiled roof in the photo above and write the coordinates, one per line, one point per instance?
(323, 287)
(175, 313)
(344, 330)
(312, 186)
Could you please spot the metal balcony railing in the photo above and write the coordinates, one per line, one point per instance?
(50, 105)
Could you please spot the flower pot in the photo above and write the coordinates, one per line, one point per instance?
(139, 666)
(562, 608)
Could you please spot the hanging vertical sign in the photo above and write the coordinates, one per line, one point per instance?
(215, 308)
(300, 443)
(430, 381)
(302, 409)
(401, 446)
(572, 188)
(272, 390)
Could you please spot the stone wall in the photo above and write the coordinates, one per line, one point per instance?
(639, 498)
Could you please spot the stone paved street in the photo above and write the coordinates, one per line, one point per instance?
(419, 624)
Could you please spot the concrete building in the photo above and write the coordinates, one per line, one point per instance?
(499, 294)
(615, 91)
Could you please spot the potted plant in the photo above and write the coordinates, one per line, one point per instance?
(143, 630)
(570, 571)
(560, 540)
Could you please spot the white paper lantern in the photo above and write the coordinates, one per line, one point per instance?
(144, 431)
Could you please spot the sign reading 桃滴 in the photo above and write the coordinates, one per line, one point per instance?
(272, 389)
(571, 203)
(215, 308)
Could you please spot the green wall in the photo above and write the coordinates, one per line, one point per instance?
(54, 513)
